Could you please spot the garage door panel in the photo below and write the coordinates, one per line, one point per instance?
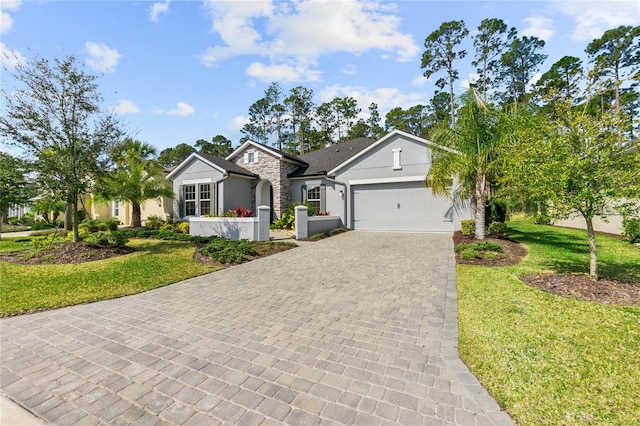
(405, 206)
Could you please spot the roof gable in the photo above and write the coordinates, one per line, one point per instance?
(322, 160)
(217, 163)
(275, 152)
(384, 140)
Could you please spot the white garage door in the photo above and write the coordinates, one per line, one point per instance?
(408, 206)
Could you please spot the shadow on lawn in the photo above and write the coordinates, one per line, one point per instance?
(570, 254)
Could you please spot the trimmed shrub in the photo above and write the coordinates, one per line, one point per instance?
(468, 227)
(469, 254)
(89, 224)
(495, 211)
(107, 224)
(106, 239)
(38, 226)
(167, 227)
(47, 241)
(631, 229)
(498, 229)
(154, 222)
(480, 246)
(224, 250)
(182, 227)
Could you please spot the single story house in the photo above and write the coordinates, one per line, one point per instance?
(373, 185)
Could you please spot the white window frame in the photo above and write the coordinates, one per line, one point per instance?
(116, 208)
(201, 210)
(315, 202)
(190, 201)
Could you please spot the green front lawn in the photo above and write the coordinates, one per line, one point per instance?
(155, 263)
(546, 359)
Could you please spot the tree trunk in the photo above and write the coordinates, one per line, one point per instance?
(593, 254)
(481, 183)
(76, 217)
(136, 221)
(68, 213)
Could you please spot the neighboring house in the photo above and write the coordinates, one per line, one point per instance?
(121, 210)
(370, 185)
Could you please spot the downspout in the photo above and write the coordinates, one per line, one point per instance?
(344, 201)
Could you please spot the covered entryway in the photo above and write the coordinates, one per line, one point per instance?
(264, 196)
(404, 206)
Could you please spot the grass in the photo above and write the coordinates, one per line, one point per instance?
(155, 263)
(546, 359)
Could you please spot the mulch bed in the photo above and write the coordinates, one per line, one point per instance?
(64, 253)
(572, 286)
(263, 248)
(513, 251)
(581, 287)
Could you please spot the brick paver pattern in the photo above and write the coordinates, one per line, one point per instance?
(360, 328)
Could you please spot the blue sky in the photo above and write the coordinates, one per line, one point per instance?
(178, 71)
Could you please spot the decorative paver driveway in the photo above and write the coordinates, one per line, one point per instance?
(357, 329)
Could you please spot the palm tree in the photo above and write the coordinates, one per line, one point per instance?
(474, 141)
(137, 177)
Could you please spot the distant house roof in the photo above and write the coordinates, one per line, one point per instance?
(218, 163)
(321, 161)
(280, 154)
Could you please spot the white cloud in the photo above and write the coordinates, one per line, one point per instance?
(235, 126)
(158, 9)
(6, 22)
(349, 69)
(282, 73)
(298, 33)
(10, 58)
(101, 57)
(182, 109)
(125, 106)
(420, 80)
(539, 27)
(534, 80)
(592, 19)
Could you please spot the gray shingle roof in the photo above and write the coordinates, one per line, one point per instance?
(228, 165)
(323, 160)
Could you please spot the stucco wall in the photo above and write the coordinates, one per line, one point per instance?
(335, 203)
(195, 171)
(235, 192)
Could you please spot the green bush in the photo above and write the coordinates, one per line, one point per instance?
(224, 250)
(41, 243)
(90, 225)
(286, 221)
(541, 219)
(631, 229)
(182, 227)
(469, 254)
(167, 227)
(154, 222)
(82, 234)
(107, 224)
(468, 227)
(495, 211)
(498, 229)
(337, 231)
(480, 246)
(106, 239)
(38, 226)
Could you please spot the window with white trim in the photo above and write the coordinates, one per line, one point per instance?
(251, 156)
(205, 199)
(313, 196)
(190, 200)
(197, 199)
(116, 208)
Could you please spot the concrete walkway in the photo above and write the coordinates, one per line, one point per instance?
(359, 328)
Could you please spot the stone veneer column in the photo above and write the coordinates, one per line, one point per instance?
(270, 168)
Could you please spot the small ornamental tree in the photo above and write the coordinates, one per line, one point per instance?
(55, 117)
(574, 163)
(14, 186)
